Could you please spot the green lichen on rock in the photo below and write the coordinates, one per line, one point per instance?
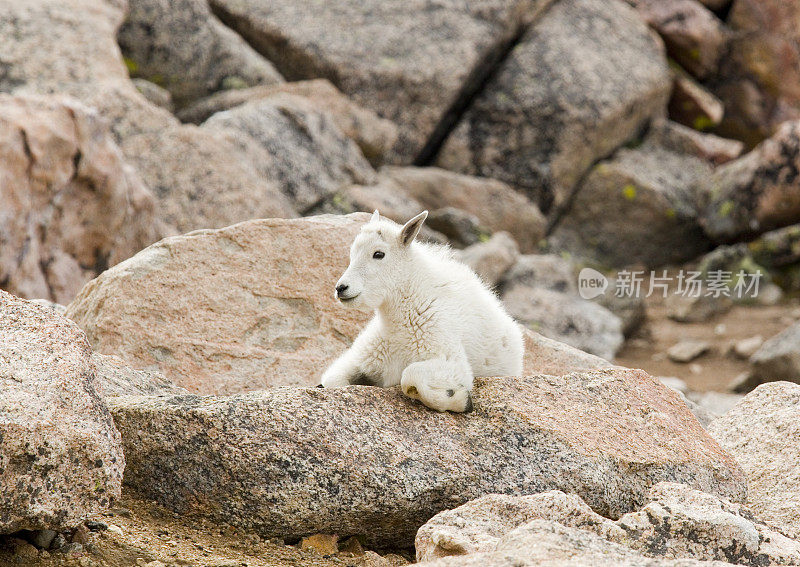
(702, 123)
(234, 83)
(132, 66)
(726, 208)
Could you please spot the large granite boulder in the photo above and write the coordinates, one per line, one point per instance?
(374, 135)
(677, 522)
(230, 310)
(762, 432)
(70, 206)
(642, 206)
(69, 47)
(491, 259)
(756, 192)
(495, 204)
(695, 38)
(369, 461)
(289, 140)
(582, 81)
(407, 60)
(245, 308)
(567, 318)
(778, 358)
(181, 46)
(60, 455)
(201, 180)
(539, 291)
(760, 78)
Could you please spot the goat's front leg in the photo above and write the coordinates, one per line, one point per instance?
(442, 384)
(358, 363)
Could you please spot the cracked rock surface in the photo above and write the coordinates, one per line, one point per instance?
(677, 522)
(70, 206)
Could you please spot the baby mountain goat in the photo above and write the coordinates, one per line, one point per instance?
(436, 324)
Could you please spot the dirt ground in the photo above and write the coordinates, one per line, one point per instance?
(141, 533)
(714, 370)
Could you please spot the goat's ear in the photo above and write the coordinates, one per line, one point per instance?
(411, 228)
(376, 216)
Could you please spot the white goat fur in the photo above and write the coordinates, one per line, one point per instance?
(436, 324)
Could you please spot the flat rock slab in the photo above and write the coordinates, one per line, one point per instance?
(545, 543)
(364, 460)
(60, 455)
(374, 135)
(496, 204)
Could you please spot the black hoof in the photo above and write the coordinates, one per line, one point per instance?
(320, 386)
(469, 407)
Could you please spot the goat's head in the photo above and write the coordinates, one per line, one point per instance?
(379, 257)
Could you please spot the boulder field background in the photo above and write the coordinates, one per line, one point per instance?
(180, 182)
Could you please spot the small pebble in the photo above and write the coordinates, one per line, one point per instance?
(43, 538)
(321, 543)
(352, 545)
(687, 350)
(58, 542)
(24, 552)
(96, 526)
(745, 348)
(81, 535)
(115, 529)
(72, 550)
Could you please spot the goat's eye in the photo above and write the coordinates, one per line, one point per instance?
(378, 255)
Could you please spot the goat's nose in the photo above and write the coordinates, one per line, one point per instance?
(340, 289)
